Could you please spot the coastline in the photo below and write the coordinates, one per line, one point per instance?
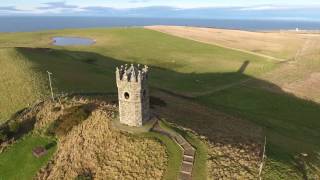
(42, 23)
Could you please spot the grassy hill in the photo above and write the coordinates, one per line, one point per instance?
(201, 76)
(20, 85)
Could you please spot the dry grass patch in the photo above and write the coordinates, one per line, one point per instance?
(95, 146)
(89, 146)
(267, 43)
(301, 75)
(233, 145)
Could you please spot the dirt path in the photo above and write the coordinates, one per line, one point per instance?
(197, 94)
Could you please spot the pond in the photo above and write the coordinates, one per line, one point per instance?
(72, 41)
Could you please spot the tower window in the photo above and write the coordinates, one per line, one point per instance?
(126, 95)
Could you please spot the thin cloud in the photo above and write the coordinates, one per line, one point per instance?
(96, 8)
(8, 8)
(57, 5)
(266, 11)
(139, 1)
(11, 10)
(276, 7)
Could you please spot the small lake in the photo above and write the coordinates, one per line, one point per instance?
(72, 41)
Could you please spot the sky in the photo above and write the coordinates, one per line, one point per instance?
(33, 4)
(286, 9)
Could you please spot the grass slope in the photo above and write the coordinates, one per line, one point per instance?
(147, 46)
(95, 147)
(18, 162)
(20, 85)
(291, 124)
(182, 67)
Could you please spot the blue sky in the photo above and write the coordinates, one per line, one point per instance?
(33, 4)
(285, 9)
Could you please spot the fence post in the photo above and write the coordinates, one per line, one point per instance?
(263, 156)
(50, 83)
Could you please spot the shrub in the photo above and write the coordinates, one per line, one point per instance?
(86, 175)
(13, 126)
(3, 136)
(73, 117)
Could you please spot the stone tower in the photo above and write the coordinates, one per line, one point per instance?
(133, 94)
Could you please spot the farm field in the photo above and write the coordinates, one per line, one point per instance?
(298, 52)
(212, 90)
(190, 68)
(273, 44)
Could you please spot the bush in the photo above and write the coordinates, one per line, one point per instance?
(66, 122)
(3, 136)
(51, 129)
(13, 126)
(87, 175)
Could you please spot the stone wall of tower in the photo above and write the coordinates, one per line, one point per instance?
(133, 95)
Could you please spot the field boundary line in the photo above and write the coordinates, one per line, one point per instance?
(219, 45)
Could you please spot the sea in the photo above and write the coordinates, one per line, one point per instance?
(37, 23)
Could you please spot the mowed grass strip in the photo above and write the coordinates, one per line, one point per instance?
(18, 162)
(199, 170)
(174, 155)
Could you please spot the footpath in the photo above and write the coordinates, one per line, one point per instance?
(187, 149)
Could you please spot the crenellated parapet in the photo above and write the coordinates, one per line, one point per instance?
(132, 74)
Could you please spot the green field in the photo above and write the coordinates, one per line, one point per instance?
(18, 161)
(20, 85)
(189, 64)
(205, 74)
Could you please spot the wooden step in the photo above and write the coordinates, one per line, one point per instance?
(189, 152)
(187, 149)
(188, 158)
(185, 176)
(180, 140)
(187, 162)
(186, 146)
(184, 172)
(187, 167)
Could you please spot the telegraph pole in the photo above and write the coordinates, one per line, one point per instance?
(50, 83)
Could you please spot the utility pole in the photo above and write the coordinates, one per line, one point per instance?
(50, 83)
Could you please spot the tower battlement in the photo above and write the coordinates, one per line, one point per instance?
(133, 94)
(132, 73)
